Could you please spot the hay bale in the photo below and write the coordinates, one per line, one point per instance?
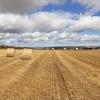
(94, 49)
(52, 48)
(27, 54)
(64, 48)
(77, 49)
(10, 52)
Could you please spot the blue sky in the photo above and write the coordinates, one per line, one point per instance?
(67, 7)
(36, 23)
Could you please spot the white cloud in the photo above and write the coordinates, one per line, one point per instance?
(48, 22)
(32, 38)
(45, 21)
(14, 23)
(91, 23)
(47, 27)
(79, 37)
(92, 6)
(41, 21)
(22, 6)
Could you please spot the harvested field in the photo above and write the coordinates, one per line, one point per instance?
(50, 75)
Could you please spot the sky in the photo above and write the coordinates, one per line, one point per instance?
(44, 23)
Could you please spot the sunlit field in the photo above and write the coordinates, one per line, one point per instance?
(50, 75)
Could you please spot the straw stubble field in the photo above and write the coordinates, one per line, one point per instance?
(50, 75)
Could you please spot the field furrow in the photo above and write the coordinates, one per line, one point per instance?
(51, 75)
(13, 73)
(79, 78)
(42, 81)
(93, 61)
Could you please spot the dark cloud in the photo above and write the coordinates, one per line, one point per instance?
(22, 6)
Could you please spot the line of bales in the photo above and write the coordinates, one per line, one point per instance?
(70, 48)
(27, 53)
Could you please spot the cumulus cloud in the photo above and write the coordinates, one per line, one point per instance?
(14, 23)
(46, 38)
(41, 21)
(16, 28)
(48, 22)
(78, 37)
(47, 27)
(92, 6)
(22, 6)
(85, 23)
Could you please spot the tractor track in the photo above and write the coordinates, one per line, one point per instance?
(59, 73)
(15, 77)
(51, 75)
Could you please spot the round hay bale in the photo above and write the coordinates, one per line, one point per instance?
(10, 52)
(64, 48)
(27, 54)
(77, 49)
(47, 48)
(52, 48)
(94, 49)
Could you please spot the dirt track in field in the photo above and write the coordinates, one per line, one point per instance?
(51, 75)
